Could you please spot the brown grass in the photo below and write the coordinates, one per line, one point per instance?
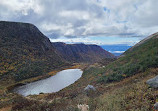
(129, 94)
(8, 108)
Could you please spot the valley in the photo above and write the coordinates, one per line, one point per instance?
(118, 84)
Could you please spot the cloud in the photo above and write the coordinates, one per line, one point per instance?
(85, 18)
(98, 40)
(76, 40)
(117, 51)
(147, 14)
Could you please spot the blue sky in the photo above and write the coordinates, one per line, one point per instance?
(87, 21)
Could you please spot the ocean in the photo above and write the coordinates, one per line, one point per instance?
(117, 50)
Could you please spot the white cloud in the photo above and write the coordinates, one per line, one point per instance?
(147, 14)
(82, 18)
(77, 40)
(95, 40)
(117, 51)
(81, 15)
(12, 9)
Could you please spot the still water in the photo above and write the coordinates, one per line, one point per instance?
(52, 84)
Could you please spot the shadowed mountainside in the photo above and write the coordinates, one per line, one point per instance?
(81, 52)
(25, 52)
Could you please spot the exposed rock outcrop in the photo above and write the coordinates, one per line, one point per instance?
(153, 82)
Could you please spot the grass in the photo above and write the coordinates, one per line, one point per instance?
(131, 94)
(20, 103)
(138, 60)
(121, 86)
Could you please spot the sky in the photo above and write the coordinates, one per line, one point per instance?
(101, 22)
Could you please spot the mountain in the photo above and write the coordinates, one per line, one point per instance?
(119, 85)
(139, 58)
(25, 52)
(147, 39)
(123, 83)
(81, 52)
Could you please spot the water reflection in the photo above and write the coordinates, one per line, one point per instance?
(52, 84)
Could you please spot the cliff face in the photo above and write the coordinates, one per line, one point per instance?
(25, 52)
(81, 52)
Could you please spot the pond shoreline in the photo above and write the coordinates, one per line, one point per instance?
(52, 84)
(52, 73)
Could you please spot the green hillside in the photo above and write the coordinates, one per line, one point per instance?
(135, 60)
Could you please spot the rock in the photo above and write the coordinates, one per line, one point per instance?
(156, 106)
(90, 87)
(90, 91)
(83, 107)
(153, 82)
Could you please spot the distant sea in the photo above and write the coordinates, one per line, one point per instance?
(117, 50)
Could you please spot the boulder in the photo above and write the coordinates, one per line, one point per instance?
(90, 88)
(156, 106)
(83, 107)
(153, 82)
(90, 91)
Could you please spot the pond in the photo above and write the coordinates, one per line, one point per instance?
(52, 84)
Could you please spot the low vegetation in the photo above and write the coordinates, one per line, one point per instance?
(120, 84)
(132, 62)
(25, 52)
(131, 94)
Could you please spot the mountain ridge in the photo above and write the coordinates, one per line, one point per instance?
(81, 52)
(120, 84)
(25, 52)
(143, 41)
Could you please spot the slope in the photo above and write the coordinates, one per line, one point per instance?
(25, 52)
(81, 52)
(135, 60)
